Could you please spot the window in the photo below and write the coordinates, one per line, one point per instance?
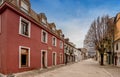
(1, 1)
(117, 46)
(24, 27)
(24, 6)
(0, 23)
(17, 2)
(54, 41)
(61, 35)
(61, 44)
(44, 36)
(43, 20)
(53, 28)
(24, 57)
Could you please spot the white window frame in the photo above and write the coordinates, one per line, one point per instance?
(53, 28)
(29, 27)
(18, 2)
(55, 58)
(46, 40)
(61, 43)
(20, 47)
(55, 41)
(44, 21)
(46, 58)
(1, 2)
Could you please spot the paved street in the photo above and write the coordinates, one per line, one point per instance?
(87, 68)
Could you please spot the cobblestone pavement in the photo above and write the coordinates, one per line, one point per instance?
(87, 68)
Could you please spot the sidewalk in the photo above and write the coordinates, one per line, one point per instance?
(39, 71)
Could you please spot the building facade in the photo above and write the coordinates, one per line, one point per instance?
(69, 51)
(27, 40)
(117, 40)
(78, 56)
(84, 53)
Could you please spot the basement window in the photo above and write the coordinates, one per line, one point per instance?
(24, 57)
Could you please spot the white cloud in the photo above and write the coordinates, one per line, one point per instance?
(75, 28)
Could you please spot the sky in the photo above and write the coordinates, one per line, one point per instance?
(74, 17)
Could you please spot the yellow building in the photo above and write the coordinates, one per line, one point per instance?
(117, 40)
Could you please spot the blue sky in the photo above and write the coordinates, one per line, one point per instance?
(75, 16)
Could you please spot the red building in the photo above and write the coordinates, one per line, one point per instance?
(27, 40)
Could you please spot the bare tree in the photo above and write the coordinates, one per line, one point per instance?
(100, 34)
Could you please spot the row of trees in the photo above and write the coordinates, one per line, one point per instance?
(101, 35)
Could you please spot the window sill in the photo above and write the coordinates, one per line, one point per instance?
(24, 67)
(61, 48)
(54, 46)
(24, 35)
(44, 42)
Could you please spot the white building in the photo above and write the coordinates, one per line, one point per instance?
(78, 56)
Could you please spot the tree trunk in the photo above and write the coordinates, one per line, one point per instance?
(102, 59)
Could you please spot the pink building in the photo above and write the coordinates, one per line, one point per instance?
(27, 40)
